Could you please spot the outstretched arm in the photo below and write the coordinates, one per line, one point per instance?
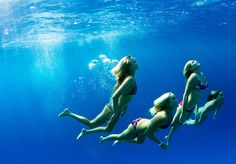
(216, 113)
(220, 103)
(155, 123)
(155, 139)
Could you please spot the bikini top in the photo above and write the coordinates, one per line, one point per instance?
(201, 85)
(170, 118)
(133, 90)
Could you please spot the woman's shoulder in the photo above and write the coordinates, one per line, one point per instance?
(129, 79)
(194, 77)
(211, 104)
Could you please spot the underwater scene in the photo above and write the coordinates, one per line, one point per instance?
(147, 65)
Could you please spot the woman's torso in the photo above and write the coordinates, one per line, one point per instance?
(196, 92)
(210, 106)
(144, 123)
(127, 96)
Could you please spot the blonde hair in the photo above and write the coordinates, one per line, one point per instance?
(187, 72)
(160, 103)
(122, 69)
(153, 111)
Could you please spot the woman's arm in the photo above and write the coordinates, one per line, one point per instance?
(155, 139)
(191, 82)
(155, 123)
(220, 102)
(126, 86)
(215, 114)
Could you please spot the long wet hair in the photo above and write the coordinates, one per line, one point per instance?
(160, 105)
(122, 70)
(213, 95)
(187, 71)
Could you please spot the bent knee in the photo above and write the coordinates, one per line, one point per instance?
(108, 129)
(92, 124)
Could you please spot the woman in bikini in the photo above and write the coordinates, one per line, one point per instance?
(141, 128)
(123, 93)
(214, 102)
(195, 84)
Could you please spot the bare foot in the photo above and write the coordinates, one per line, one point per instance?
(82, 133)
(163, 146)
(65, 112)
(167, 140)
(101, 139)
(115, 142)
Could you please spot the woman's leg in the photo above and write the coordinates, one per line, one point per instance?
(198, 114)
(77, 117)
(102, 117)
(137, 140)
(112, 122)
(127, 134)
(97, 121)
(174, 125)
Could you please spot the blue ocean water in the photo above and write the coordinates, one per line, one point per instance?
(45, 51)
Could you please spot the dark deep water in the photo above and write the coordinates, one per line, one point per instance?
(45, 49)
